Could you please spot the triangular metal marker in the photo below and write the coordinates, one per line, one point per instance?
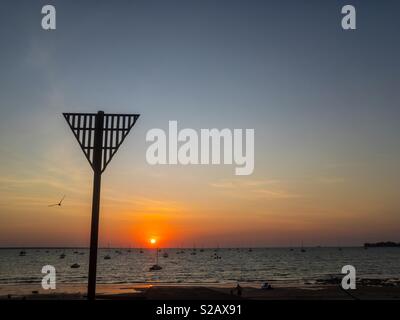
(99, 135)
(115, 129)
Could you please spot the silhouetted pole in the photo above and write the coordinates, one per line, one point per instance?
(99, 135)
(94, 233)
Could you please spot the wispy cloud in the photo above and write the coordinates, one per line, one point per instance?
(234, 184)
(253, 189)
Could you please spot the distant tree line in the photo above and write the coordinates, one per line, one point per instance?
(382, 244)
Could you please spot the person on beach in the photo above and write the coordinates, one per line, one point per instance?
(238, 289)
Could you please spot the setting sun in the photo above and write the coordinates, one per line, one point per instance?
(153, 241)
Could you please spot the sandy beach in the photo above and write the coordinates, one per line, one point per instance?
(200, 292)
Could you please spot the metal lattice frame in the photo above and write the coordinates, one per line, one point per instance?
(115, 129)
(99, 135)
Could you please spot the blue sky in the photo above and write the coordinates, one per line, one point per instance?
(324, 104)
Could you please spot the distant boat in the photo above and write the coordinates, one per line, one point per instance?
(201, 250)
(107, 257)
(193, 253)
(141, 251)
(165, 255)
(75, 266)
(302, 248)
(216, 256)
(22, 253)
(250, 250)
(155, 267)
(62, 256)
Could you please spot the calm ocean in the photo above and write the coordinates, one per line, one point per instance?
(281, 266)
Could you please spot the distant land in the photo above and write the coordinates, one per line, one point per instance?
(381, 244)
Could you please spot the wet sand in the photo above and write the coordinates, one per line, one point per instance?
(184, 292)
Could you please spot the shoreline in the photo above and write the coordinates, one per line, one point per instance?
(146, 291)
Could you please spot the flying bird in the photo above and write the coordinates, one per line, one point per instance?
(57, 204)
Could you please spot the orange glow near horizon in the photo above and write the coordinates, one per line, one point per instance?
(153, 241)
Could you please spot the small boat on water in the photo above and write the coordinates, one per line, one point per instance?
(62, 256)
(75, 266)
(201, 250)
(22, 253)
(155, 267)
(141, 251)
(250, 250)
(216, 256)
(165, 255)
(107, 257)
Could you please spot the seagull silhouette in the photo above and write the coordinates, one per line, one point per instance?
(57, 204)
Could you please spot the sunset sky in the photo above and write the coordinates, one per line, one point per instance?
(324, 104)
